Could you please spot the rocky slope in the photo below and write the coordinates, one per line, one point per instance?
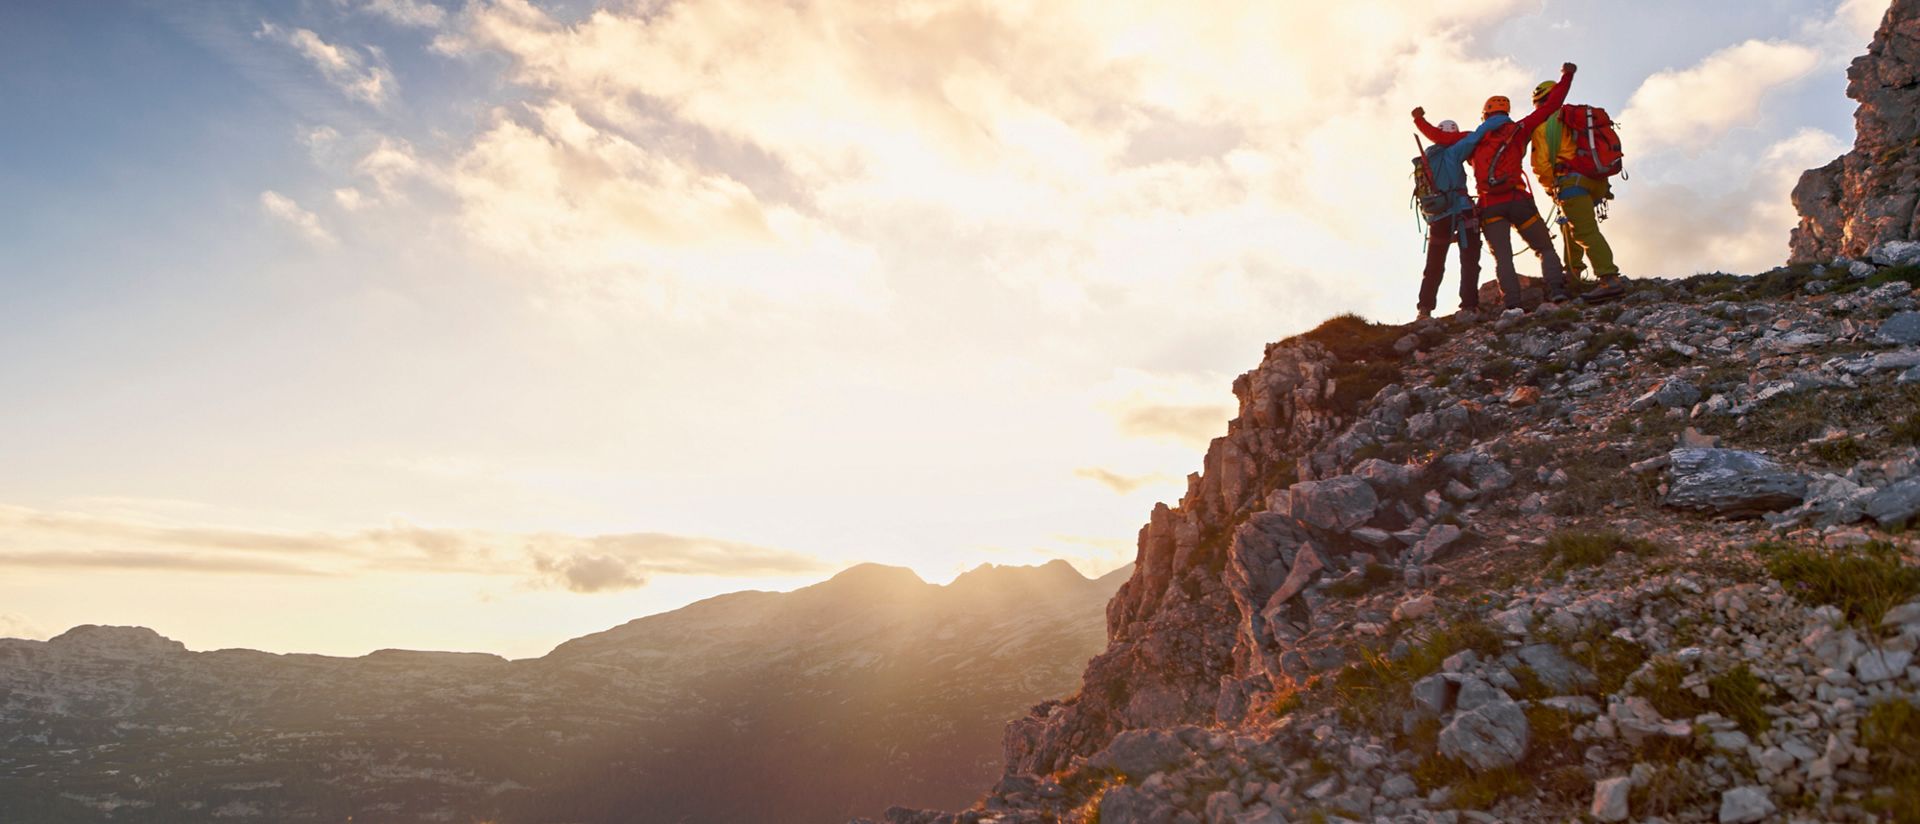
(868, 689)
(1645, 561)
(1868, 196)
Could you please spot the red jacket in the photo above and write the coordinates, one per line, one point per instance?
(1509, 172)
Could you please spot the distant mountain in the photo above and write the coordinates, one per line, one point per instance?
(870, 689)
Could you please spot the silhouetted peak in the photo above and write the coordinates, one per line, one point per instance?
(1052, 573)
(122, 640)
(868, 577)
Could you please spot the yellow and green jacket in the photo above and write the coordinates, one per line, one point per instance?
(1561, 185)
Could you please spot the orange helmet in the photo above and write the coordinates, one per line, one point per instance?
(1497, 103)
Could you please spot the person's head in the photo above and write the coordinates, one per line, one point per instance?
(1497, 103)
(1449, 127)
(1541, 91)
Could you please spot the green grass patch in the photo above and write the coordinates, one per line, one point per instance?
(1842, 451)
(1906, 431)
(1863, 581)
(1364, 358)
(1500, 368)
(1891, 734)
(1367, 686)
(1625, 339)
(1598, 478)
(1739, 695)
(1471, 790)
(1670, 788)
(1573, 549)
(1736, 694)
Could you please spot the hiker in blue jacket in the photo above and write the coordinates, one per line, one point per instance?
(1447, 166)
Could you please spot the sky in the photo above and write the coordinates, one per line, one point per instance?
(339, 325)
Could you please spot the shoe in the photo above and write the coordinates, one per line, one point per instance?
(1608, 289)
(1469, 315)
(1425, 315)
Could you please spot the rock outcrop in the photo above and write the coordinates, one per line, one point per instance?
(1552, 564)
(1867, 197)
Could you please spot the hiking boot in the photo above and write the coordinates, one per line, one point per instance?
(1425, 315)
(1470, 315)
(1608, 289)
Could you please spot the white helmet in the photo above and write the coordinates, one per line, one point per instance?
(1449, 127)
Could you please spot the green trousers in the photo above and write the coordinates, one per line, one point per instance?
(1576, 198)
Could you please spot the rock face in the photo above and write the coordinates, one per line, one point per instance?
(1867, 197)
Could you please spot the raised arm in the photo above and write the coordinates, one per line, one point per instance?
(1433, 132)
(1458, 152)
(1554, 100)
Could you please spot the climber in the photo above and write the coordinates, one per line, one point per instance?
(1505, 202)
(1554, 148)
(1446, 167)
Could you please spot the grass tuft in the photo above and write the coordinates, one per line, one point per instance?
(1572, 549)
(1863, 581)
(1891, 734)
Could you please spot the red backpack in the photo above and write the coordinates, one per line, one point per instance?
(1497, 165)
(1596, 151)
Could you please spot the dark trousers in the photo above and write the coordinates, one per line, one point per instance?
(1496, 221)
(1441, 235)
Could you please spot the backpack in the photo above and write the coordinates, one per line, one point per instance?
(1496, 166)
(1596, 152)
(1433, 201)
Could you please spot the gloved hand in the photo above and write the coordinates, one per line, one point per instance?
(1419, 111)
(1568, 68)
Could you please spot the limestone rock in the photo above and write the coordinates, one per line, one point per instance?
(1732, 482)
(1488, 737)
(1610, 798)
(1137, 754)
(1742, 805)
(1336, 504)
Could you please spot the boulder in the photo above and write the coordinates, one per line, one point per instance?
(1435, 542)
(1555, 670)
(1670, 393)
(1488, 737)
(1610, 798)
(1896, 253)
(1335, 504)
(1131, 805)
(1732, 482)
(1742, 805)
(1137, 754)
(1902, 329)
(1896, 504)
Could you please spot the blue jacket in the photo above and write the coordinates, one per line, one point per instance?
(1449, 165)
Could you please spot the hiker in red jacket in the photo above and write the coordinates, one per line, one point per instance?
(1505, 199)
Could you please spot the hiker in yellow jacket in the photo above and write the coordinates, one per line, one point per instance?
(1577, 195)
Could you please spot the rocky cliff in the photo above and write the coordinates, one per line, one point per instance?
(1867, 197)
(1639, 561)
(869, 689)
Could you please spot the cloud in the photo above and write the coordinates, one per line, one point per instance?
(1694, 106)
(1188, 424)
(1742, 229)
(308, 223)
(150, 561)
(1123, 484)
(359, 76)
(613, 562)
(411, 13)
(34, 538)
